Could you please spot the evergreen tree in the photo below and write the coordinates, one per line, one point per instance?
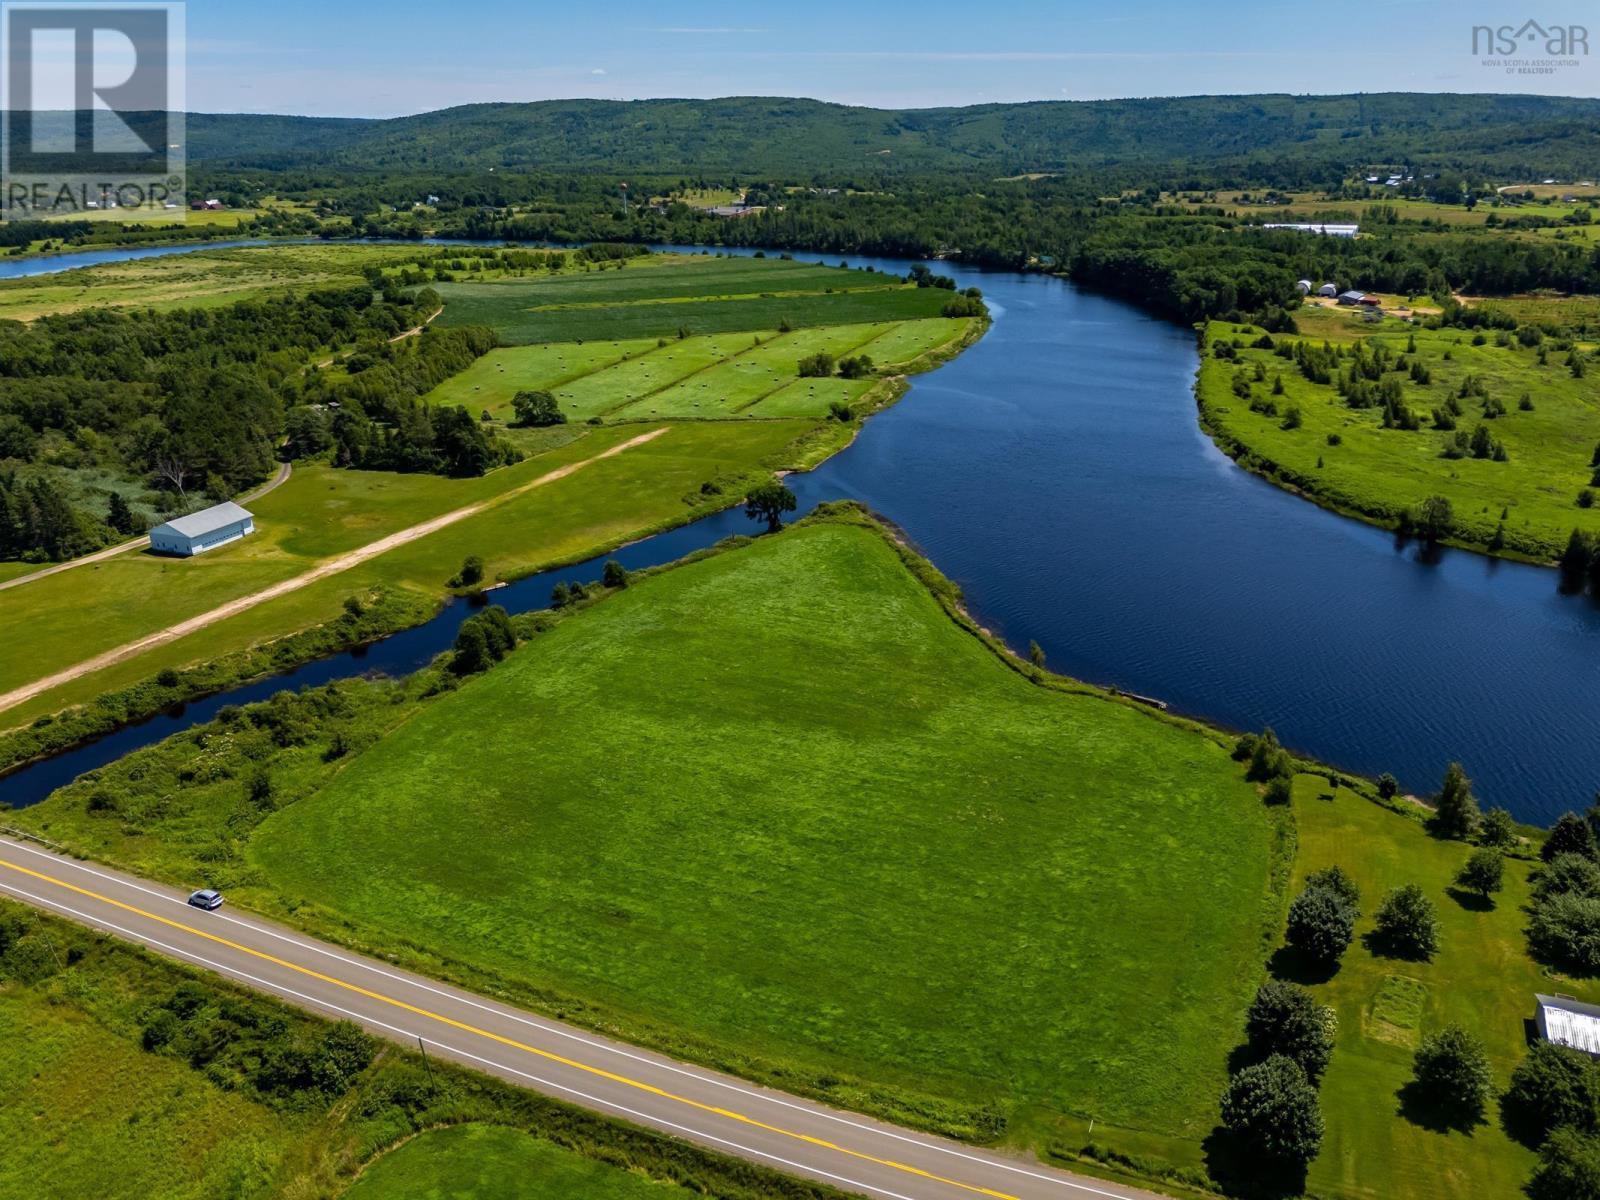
(1457, 808)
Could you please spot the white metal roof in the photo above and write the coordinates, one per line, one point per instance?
(207, 520)
(1570, 1022)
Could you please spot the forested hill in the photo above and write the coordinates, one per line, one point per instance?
(767, 136)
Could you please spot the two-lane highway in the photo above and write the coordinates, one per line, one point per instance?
(717, 1111)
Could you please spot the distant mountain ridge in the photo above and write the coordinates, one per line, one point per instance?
(757, 135)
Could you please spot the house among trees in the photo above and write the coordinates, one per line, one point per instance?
(1568, 1022)
(203, 530)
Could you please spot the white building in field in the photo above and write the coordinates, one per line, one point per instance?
(203, 530)
(1344, 231)
(1568, 1022)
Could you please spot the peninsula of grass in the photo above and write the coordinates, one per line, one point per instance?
(1523, 502)
(774, 810)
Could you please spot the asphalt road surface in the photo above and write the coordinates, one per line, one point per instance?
(718, 1111)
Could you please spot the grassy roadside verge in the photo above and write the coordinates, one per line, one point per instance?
(115, 1055)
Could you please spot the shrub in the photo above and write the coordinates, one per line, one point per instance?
(1267, 758)
(1569, 1168)
(1451, 1071)
(855, 367)
(1569, 873)
(1498, 829)
(1270, 1109)
(1340, 884)
(1565, 930)
(1407, 926)
(816, 366)
(1388, 786)
(1551, 1087)
(1570, 834)
(537, 409)
(1483, 872)
(471, 572)
(1321, 924)
(1284, 1019)
(614, 574)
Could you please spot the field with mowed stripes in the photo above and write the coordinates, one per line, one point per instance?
(720, 375)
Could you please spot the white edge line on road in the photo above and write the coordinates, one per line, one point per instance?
(571, 1035)
(278, 989)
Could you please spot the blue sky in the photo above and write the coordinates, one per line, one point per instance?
(359, 58)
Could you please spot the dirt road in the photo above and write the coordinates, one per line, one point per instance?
(322, 570)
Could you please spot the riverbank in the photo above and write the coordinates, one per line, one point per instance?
(1501, 429)
(342, 760)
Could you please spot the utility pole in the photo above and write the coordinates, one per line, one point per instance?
(432, 1086)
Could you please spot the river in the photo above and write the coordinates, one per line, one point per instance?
(1057, 472)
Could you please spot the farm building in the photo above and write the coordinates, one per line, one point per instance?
(203, 530)
(1352, 298)
(1568, 1022)
(1329, 290)
(1344, 231)
(1304, 287)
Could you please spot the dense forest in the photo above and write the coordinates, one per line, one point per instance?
(110, 418)
(764, 135)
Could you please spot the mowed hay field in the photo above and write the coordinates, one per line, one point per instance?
(662, 296)
(708, 376)
(1378, 473)
(491, 1162)
(775, 810)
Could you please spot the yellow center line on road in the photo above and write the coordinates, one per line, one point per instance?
(512, 1042)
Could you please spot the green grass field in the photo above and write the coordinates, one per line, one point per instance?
(200, 278)
(81, 1096)
(487, 1162)
(716, 375)
(918, 815)
(701, 294)
(1482, 978)
(322, 512)
(92, 1109)
(1378, 473)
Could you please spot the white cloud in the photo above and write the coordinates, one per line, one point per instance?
(598, 71)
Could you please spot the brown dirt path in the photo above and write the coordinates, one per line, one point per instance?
(322, 570)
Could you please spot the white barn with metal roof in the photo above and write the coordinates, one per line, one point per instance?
(1568, 1022)
(203, 530)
